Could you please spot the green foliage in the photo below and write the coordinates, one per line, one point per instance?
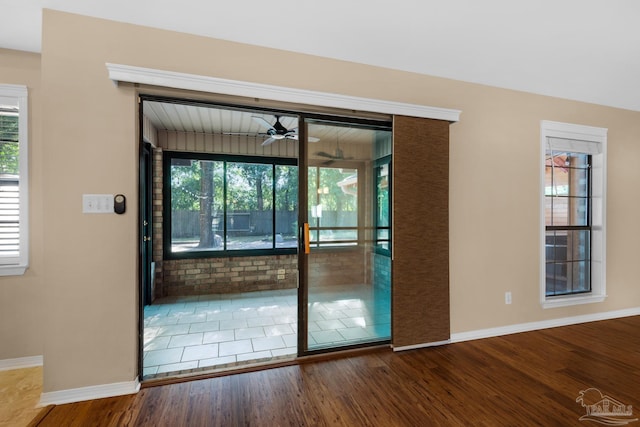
(185, 187)
(286, 188)
(324, 189)
(9, 146)
(382, 194)
(383, 207)
(249, 186)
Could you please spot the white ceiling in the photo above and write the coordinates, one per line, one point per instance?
(209, 119)
(587, 50)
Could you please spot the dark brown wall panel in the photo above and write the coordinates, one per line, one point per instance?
(420, 306)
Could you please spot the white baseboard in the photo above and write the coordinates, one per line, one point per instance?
(525, 327)
(544, 324)
(423, 345)
(20, 362)
(89, 393)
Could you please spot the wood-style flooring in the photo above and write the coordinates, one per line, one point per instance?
(526, 379)
(20, 391)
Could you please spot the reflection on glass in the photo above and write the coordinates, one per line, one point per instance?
(568, 266)
(339, 237)
(383, 203)
(349, 281)
(567, 189)
(333, 209)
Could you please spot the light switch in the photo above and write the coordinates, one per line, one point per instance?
(97, 203)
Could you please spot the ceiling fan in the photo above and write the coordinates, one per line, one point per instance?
(277, 131)
(338, 154)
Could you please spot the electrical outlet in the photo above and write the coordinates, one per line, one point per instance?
(280, 276)
(281, 271)
(507, 297)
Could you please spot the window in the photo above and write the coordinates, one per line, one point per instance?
(14, 252)
(383, 205)
(218, 205)
(573, 214)
(568, 222)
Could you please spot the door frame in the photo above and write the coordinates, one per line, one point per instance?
(145, 231)
(146, 204)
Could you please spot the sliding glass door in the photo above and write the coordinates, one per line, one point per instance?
(346, 253)
(236, 282)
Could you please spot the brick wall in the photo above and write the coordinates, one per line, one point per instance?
(381, 271)
(338, 267)
(157, 222)
(229, 275)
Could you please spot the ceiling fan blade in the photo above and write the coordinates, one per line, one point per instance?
(312, 139)
(263, 122)
(240, 134)
(324, 154)
(268, 141)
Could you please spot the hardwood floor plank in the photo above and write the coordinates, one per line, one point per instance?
(524, 379)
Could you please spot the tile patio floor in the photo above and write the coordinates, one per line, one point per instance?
(189, 334)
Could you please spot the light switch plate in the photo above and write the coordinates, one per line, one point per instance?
(97, 203)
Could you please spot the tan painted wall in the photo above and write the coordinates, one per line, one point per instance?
(90, 146)
(21, 296)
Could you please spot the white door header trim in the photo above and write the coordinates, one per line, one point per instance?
(132, 74)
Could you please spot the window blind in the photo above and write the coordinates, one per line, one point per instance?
(573, 145)
(9, 186)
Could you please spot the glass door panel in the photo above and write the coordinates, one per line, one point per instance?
(348, 265)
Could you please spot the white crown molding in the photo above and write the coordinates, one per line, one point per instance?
(89, 393)
(20, 363)
(545, 324)
(131, 74)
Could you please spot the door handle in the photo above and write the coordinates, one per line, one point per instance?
(305, 231)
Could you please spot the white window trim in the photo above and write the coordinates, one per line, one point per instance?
(18, 95)
(549, 129)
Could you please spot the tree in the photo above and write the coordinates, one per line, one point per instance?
(255, 177)
(286, 188)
